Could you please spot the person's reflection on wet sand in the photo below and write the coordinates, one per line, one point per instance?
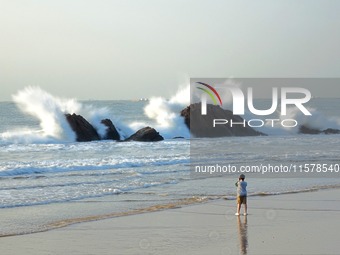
(243, 234)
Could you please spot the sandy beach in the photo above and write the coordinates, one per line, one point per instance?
(300, 223)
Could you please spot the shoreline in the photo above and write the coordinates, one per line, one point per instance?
(181, 203)
(282, 224)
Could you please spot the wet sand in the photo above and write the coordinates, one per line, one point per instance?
(301, 223)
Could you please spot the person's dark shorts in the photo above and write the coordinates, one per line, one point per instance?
(242, 200)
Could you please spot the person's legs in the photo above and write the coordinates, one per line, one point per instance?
(238, 209)
(245, 205)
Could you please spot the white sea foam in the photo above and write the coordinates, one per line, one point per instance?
(318, 121)
(165, 114)
(62, 165)
(162, 114)
(50, 111)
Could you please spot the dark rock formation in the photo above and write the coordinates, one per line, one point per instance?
(312, 131)
(146, 134)
(202, 125)
(331, 131)
(111, 131)
(85, 132)
(185, 113)
(306, 130)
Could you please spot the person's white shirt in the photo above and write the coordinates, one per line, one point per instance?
(242, 188)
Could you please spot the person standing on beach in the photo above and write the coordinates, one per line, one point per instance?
(241, 194)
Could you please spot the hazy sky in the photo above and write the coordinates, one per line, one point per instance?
(127, 49)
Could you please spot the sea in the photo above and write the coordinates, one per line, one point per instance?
(48, 180)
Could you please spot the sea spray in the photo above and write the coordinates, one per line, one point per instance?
(95, 116)
(49, 110)
(318, 121)
(165, 114)
(160, 113)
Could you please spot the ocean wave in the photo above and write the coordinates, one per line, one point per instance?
(56, 193)
(53, 166)
(53, 127)
(293, 191)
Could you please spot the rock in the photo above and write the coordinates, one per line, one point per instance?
(185, 113)
(111, 131)
(146, 134)
(202, 125)
(331, 131)
(85, 132)
(312, 131)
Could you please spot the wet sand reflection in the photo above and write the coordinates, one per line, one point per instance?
(243, 234)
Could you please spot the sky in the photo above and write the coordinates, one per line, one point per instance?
(129, 49)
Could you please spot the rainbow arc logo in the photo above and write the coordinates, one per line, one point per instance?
(211, 91)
